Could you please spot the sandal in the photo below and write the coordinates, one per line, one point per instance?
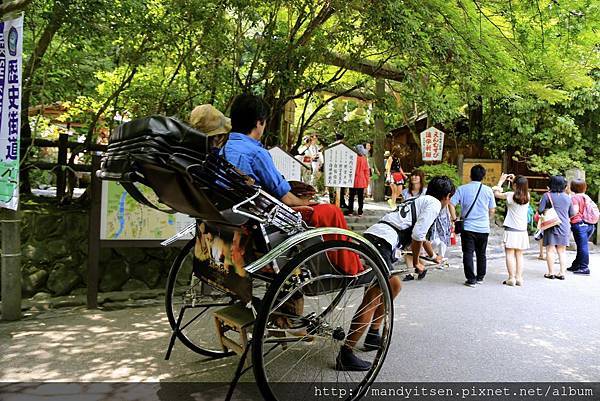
(559, 277)
(550, 276)
(421, 275)
(509, 282)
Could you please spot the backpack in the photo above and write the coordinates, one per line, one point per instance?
(530, 214)
(590, 214)
(531, 219)
(404, 208)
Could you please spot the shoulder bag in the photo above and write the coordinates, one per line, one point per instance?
(549, 217)
(459, 225)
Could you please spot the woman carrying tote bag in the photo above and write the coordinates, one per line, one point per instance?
(556, 202)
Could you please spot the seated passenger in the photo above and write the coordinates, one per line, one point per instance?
(243, 149)
(210, 121)
(396, 230)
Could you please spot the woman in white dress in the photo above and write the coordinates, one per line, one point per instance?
(516, 238)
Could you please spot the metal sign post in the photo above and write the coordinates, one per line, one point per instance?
(93, 274)
(11, 265)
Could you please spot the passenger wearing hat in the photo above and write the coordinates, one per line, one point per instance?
(210, 121)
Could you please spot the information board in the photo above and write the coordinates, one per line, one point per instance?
(432, 144)
(123, 218)
(493, 170)
(288, 165)
(340, 166)
(574, 174)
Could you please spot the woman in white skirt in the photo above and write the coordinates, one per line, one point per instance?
(516, 238)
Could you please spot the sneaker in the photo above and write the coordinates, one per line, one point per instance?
(372, 341)
(347, 361)
(479, 281)
(583, 272)
(392, 204)
(471, 283)
(572, 268)
(409, 277)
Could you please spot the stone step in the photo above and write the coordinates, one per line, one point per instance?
(359, 228)
(362, 220)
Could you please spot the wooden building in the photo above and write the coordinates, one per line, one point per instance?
(457, 147)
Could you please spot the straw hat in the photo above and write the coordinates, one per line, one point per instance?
(207, 119)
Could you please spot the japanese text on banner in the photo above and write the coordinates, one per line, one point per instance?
(11, 33)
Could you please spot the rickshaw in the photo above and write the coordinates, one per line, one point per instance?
(254, 267)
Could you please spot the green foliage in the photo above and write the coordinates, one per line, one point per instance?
(552, 137)
(533, 65)
(449, 170)
(348, 117)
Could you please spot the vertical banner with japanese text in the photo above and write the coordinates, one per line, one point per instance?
(432, 144)
(11, 39)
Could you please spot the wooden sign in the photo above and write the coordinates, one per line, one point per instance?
(432, 144)
(574, 174)
(288, 165)
(340, 166)
(493, 170)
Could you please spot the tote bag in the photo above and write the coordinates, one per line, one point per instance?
(549, 217)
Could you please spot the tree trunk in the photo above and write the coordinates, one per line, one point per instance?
(378, 146)
(476, 116)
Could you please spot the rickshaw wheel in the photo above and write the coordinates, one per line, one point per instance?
(304, 321)
(197, 301)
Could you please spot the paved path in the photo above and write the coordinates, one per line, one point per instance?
(444, 331)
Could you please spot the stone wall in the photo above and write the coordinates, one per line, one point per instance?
(54, 255)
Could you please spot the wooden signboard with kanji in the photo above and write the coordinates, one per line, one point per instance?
(493, 170)
(288, 165)
(432, 144)
(340, 166)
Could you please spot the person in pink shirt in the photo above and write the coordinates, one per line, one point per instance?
(362, 176)
(582, 230)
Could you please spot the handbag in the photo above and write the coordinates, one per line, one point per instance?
(549, 217)
(459, 225)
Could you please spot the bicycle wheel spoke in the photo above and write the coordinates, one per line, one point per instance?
(326, 310)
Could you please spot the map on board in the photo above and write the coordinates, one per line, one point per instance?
(123, 218)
